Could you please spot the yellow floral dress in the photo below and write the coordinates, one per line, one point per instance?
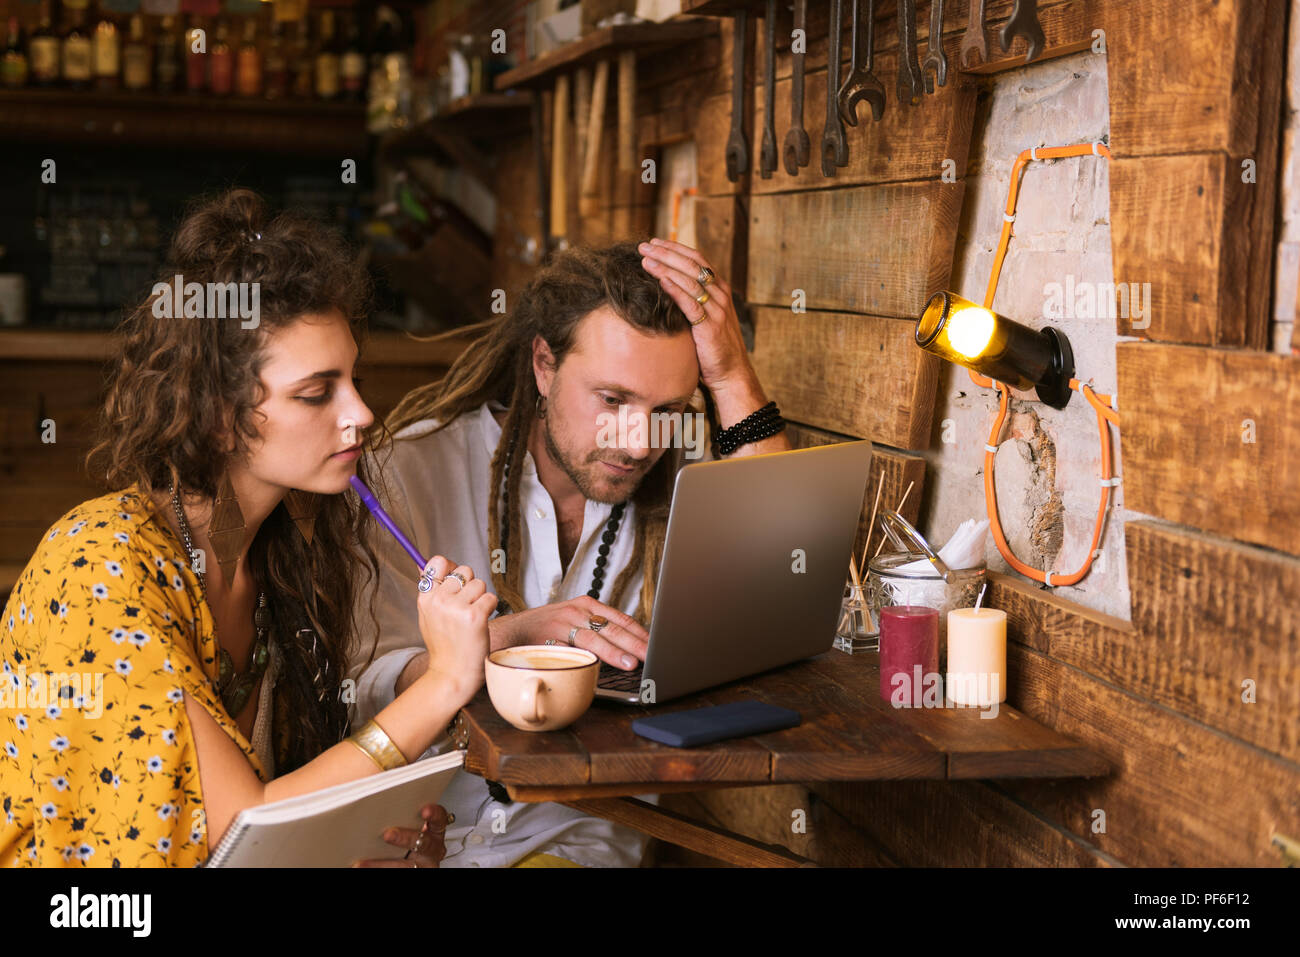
(104, 632)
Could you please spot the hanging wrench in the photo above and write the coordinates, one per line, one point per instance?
(835, 146)
(862, 83)
(910, 83)
(798, 148)
(1024, 23)
(767, 151)
(935, 58)
(973, 41)
(737, 145)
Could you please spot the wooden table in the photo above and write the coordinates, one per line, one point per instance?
(848, 734)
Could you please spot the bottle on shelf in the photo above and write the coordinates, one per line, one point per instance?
(77, 55)
(352, 65)
(13, 64)
(196, 56)
(44, 50)
(107, 52)
(248, 64)
(166, 56)
(275, 71)
(136, 57)
(302, 65)
(327, 59)
(221, 62)
(386, 37)
(388, 99)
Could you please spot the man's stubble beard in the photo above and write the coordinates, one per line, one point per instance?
(575, 473)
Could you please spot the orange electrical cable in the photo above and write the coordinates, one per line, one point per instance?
(677, 207)
(1103, 405)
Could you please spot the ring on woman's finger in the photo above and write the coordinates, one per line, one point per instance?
(422, 842)
(572, 634)
(457, 577)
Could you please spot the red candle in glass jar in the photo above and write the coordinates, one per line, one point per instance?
(909, 636)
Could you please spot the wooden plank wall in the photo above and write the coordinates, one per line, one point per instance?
(1195, 700)
(1198, 693)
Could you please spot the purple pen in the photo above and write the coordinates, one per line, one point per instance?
(377, 510)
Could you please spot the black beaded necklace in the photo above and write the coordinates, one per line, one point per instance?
(607, 537)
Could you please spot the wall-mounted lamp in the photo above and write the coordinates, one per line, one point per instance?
(960, 331)
(1000, 354)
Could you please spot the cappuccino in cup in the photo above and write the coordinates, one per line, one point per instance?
(541, 687)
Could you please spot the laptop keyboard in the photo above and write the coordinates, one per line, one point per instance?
(616, 679)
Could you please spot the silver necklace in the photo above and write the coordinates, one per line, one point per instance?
(234, 689)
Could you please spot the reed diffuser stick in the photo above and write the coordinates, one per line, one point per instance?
(871, 525)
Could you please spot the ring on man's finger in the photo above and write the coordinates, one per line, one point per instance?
(457, 577)
(597, 622)
(706, 276)
(573, 633)
(703, 297)
(696, 322)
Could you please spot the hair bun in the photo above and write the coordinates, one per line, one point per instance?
(217, 230)
(245, 210)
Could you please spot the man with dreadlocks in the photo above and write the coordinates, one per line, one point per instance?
(504, 465)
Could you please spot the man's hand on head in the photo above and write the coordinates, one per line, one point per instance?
(725, 369)
(719, 344)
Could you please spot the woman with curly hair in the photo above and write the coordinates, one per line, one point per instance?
(212, 594)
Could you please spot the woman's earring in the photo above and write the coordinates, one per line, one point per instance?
(541, 406)
(303, 508)
(226, 528)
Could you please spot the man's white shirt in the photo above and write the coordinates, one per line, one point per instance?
(436, 487)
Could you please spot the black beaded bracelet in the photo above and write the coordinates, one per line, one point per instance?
(758, 425)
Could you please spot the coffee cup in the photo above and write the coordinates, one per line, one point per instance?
(541, 687)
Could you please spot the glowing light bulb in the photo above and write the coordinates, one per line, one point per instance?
(970, 329)
(970, 335)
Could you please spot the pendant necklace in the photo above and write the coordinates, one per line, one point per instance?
(234, 689)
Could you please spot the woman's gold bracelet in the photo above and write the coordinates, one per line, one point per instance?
(375, 742)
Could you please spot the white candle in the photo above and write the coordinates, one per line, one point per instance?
(977, 656)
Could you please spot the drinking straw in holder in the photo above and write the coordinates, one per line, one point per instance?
(377, 510)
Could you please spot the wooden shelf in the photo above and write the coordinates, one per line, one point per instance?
(182, 121)
(486, 105)
(848, 733)
(56, 345)
(600, 44)
(727, 8)
(452, 134)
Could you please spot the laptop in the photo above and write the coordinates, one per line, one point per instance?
(753, 569)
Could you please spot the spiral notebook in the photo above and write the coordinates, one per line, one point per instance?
(338, 825)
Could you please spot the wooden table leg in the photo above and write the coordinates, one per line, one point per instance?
(685, 832)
